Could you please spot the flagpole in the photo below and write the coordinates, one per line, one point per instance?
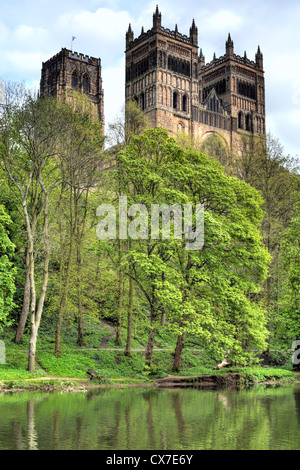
(73, 37)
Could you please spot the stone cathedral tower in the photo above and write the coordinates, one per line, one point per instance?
(70, 70)
(167, 75)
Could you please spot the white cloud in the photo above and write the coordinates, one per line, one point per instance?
(29, 36)
(114, 91)
(23, 64)
(102, 30)
(222, 22)
(4, 33)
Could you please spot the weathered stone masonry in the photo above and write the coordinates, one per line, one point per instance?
(70, 70)
(168, 77)
(174, 86)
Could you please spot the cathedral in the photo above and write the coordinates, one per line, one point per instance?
(70, 70)
(166, 74)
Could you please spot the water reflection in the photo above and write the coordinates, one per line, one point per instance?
(297, 402)
(137, 419)
(32, 436)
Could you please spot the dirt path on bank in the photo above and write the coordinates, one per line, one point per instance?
(112, 331)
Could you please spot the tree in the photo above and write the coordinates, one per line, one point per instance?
(260, 161)
(131, 122)
(217, 282)
(32, 130)
(290, 265)
(214, 145)
(81, 164)
(263, 164)
(7, 270)
(205, 291)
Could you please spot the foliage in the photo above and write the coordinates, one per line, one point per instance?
(206, 291)
(235, 294)
(290, 256)
(7, 270)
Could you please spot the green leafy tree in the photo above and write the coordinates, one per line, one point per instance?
(206, 291)
(290, 262)
(81, 162)
(218, 281)
(263, 163)
(32, 130)
(7, 270)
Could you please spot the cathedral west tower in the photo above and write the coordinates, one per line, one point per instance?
(167, 75)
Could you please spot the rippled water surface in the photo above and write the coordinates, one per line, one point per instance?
(147, 419)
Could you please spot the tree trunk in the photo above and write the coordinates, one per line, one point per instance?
(224, 363)
(178, 352)
(33, 331)
(150, 344)
(80, 226)
(120, 306)
(129, 319)
(36, 317)
(64, 292)
(79, 296)
(63, 302)
(25, 307)
(32, 348)
(163, 312)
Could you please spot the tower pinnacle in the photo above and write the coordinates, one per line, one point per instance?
(157, 19)
(194, 34)
(259, 59)
(229, 46)
(129, 35)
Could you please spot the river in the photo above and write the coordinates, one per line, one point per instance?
(256, 418)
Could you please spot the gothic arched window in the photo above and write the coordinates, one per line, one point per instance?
(86, 83)
(240, 120)
(184, 103)
(248, 123)
(175, 100)
(74, 80)
(142, 101)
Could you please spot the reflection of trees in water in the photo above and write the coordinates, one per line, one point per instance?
(32, 435)
(117, 419)
(150, 423)
(180, 421)
(128, 427)
(224, 400)
(297, 402)
(187, 419)
(110, 431)
(18, 435)
(56, 427)
(79, 426)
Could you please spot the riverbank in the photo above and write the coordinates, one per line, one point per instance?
(111, 368)
(214, 380)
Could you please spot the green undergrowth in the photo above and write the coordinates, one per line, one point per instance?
(261, 374)
(108, 364)
(114, 365)
(47, 384)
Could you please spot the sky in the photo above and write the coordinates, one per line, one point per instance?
(32, 31)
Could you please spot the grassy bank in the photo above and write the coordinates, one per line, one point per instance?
(112, 366)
